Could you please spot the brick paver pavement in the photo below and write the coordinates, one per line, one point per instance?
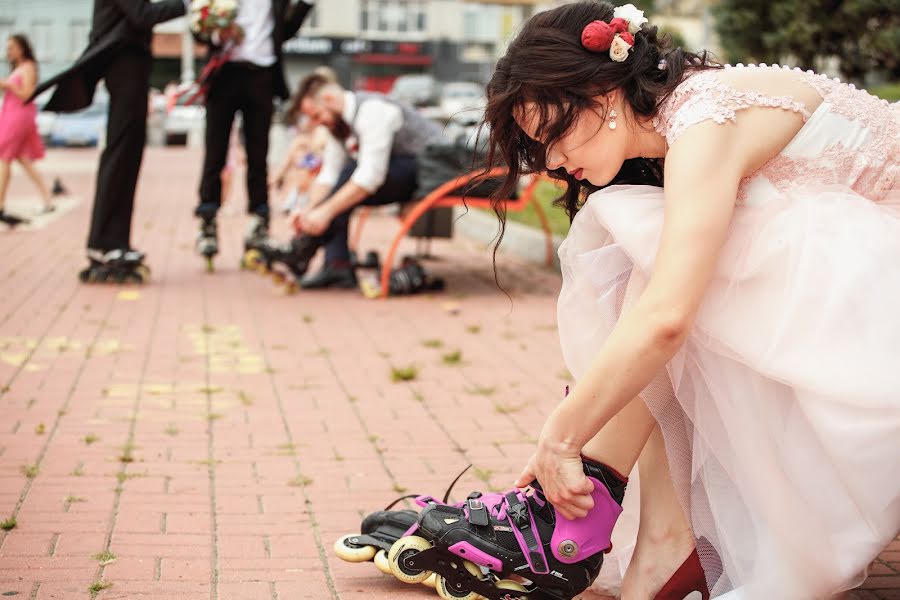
(215, 435)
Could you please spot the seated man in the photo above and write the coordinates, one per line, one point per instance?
(369, 158)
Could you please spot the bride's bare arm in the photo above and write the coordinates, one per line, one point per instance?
(702, 174)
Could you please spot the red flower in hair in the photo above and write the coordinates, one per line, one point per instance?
(597, 36)
(627, 37)
(619, 25)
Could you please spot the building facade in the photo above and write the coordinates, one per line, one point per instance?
(369, 43)
(58, 29)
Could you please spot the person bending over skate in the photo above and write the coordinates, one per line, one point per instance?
(730, 285)
(369, 158)
(728, 310)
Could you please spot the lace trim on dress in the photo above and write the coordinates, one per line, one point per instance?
(868, 170)
(704, 97)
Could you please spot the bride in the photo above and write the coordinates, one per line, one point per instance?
(730, 305)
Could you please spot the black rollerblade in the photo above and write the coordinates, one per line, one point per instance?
(256, 241)
(288, 261)
(115, 266)
(377, 534)
(12, 220)
(208, 242)
(381, 529)
(476, 549)
(409, 278)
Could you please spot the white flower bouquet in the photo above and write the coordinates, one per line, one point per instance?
(215, 19)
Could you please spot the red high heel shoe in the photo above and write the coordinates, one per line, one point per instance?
(686, 582)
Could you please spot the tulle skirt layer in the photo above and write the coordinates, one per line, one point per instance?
(781, 413)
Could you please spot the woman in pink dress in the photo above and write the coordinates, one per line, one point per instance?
(730, 305)
(19, 138)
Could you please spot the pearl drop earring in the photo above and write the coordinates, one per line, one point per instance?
(612, 118)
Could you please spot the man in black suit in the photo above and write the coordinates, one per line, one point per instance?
(251, 75)
(119, 53)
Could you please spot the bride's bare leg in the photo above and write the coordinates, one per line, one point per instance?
(620, 442)
(664, 538)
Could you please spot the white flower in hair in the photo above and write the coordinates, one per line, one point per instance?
(618, 50)
(633, 15)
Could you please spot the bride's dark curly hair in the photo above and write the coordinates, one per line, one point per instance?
(547, 65)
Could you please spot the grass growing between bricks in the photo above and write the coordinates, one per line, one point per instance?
(9, 524)
(408, 373)
(452, 358)
(98, 586)
(105, 557)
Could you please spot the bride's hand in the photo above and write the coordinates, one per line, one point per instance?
(562, 479)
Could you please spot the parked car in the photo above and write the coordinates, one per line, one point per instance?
(44, 119)
(462, 101)
(83, 128)
(417, 90)
(184, 118)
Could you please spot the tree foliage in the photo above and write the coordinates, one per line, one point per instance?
(863, 35)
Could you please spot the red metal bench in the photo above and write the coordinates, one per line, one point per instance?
(445, 196)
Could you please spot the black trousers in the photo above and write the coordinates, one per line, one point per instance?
(399, 186)
(249, 89)
(128, 82)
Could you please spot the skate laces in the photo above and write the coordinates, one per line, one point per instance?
(445, 499)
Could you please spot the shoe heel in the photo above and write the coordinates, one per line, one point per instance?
(687, 583)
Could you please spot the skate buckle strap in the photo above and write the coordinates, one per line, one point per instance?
(525, 530)
(478, 514)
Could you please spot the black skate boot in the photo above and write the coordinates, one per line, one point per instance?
(115, 266)
(477, 549)
(208, 242)
(256, 240)
(12, 220)
(296, 254)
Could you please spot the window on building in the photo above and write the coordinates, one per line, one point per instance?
(79, 32)
(6, 28)
(42, 40)
(392, 16)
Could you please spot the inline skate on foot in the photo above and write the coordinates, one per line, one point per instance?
(115, 266)
(256, 243)
(12, 220)
(511, 546)
(208, 242)
(294, 256)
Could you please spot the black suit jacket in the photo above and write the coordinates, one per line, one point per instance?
(289, 16)
(117, 24)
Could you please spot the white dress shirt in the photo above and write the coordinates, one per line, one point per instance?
(374, 123)
(258, 22)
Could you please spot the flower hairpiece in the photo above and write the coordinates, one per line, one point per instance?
(617, 36)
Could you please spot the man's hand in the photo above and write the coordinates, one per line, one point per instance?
(312, 221)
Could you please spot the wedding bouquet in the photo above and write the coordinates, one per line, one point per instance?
(215, 19)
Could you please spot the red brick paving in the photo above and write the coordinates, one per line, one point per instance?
(236, 431)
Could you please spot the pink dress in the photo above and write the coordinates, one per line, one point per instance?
(19, 136)
(781, 413)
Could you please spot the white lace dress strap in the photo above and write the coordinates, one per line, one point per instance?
(705, 97)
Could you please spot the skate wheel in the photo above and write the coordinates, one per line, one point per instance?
(252, 259)
(278, 277)
(431, 581)
(382, 563)
(291, 288)
(509, 584)
(348, 551)
(448, 593)
(210, 265)
(403, 549)
(143, 273)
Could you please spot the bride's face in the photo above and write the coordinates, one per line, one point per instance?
(590, 150)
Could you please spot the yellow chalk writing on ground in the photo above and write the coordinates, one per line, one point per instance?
(225, 348)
